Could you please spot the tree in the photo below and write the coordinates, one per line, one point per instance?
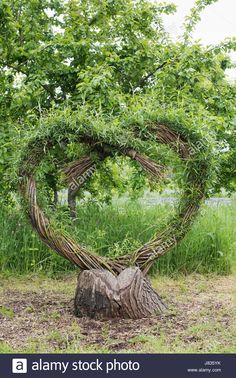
(55, 53)
(110, 62)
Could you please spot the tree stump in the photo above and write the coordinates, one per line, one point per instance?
(101, 295)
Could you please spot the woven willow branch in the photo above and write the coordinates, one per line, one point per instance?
(144, 257)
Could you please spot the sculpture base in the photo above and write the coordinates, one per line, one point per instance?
(101, 295)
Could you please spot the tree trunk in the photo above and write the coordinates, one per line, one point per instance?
(101, 295)
(72, 202)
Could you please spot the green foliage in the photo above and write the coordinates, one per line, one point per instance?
(194, 17)
(103, 55)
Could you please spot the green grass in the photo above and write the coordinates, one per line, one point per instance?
(209, 247)
(6, 312)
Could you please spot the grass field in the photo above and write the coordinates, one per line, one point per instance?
(210, 247)
(36, 315)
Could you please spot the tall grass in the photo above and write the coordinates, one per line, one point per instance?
(111, 230)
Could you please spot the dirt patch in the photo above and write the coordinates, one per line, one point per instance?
(36, 315)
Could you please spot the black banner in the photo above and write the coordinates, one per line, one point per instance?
(122, 365)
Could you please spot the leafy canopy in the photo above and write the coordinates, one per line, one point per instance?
(109, 57)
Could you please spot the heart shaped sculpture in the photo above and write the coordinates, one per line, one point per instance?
(99, 293)
(167, 238)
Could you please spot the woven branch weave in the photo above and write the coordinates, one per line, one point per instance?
(70, 249)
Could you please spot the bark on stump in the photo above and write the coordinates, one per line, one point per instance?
(101, 295)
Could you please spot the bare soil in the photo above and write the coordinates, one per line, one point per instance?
(36, 315)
